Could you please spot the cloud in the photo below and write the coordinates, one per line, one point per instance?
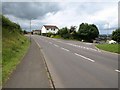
(63, 14)
(76, 13)
(28, 10)
(60, 0)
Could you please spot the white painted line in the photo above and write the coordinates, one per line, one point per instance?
(88, 43)
(56, 45)
(117, 70)
(99, 51)
(50, 42)
(65, 49)
(87, 48)
(84, 57)
(38, 44)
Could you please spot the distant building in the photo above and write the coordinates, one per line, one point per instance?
(49, 29)
(36, 31)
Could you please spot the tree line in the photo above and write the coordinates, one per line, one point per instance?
(86, 32)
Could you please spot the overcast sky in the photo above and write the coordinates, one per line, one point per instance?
(62, 14)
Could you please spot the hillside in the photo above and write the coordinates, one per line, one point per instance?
(14, 46)
(0, 52)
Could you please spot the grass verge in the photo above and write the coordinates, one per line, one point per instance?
(14, 47)
(109, 47)
(0, 56)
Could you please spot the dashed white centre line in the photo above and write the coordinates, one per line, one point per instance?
(56, 45)
(117, 70)
(84, 57)
(50, 42)
(65, 49)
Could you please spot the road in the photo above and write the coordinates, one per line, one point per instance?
(75, 64)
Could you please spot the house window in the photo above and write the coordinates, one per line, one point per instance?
(54, 29)
(47, 29)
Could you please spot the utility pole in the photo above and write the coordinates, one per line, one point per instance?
(107, 30)
(30, 30)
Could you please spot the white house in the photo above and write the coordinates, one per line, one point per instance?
(49, 29)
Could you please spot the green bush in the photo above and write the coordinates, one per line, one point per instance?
(49, 34)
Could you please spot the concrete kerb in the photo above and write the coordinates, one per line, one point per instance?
(46, 67)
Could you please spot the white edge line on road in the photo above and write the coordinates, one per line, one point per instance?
(84, 57)
(65, 49)
(56, 45)
(117, 70)
(38, 44)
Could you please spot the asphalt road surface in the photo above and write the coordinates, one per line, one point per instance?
(75, 64)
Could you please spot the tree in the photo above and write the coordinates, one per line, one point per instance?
(88, 32)
(24, 32)
(63, 32)
(116, 35)
(73, 33)
(72, 29)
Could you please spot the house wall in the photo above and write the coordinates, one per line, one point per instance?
(43, 30)
(52, 31)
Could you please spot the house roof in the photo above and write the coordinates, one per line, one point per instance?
(50, 26)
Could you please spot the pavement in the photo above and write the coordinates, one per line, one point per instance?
(31, 72)
(74, 64)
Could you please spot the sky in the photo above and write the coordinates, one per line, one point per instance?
(67, 13)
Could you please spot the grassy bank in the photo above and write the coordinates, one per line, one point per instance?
(0, 60)
(14, 47)
(109, 47)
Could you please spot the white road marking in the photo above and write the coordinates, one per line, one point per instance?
(56, 45)
(50, 42)
(65, 49)
(38, 44)
(99, 51)
(84, 57)
(88, 43)
(117, 70)
(82, 47)
(87, 48)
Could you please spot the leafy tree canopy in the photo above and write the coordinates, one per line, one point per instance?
(88, 31)
(116, 35)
